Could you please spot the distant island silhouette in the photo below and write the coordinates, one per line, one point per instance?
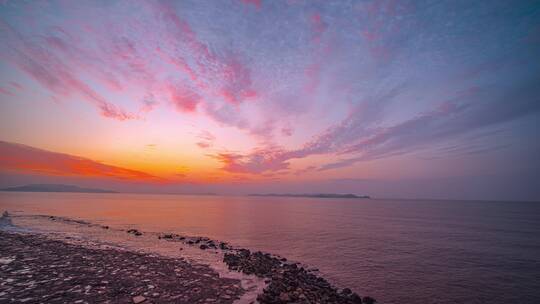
(313, 195)
(55, 188)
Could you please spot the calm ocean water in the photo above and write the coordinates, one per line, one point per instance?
(398, 251)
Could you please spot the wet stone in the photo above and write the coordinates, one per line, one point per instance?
(138, 299)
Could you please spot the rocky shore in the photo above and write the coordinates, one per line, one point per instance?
(34, 269)
(287, 282)
(37, 269)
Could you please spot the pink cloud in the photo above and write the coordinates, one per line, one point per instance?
(259, 161)
(313, 76)
(66, 45)
(369, 35)
(256, 3)
(287, 131)
(318, 27)
(60, 81)
(69, 64)
(184, 99)
(181, 64)
(304, 170)
(320, 56)
(377, 31)
(6, 92)
(207, 136)
(206, 139)
(224, 76)
(52, 73)
(203, 144)
(237, 78)
(16, 85)
(148, 103)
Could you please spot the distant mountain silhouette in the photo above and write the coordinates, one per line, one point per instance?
(55, 188)
(315, 195)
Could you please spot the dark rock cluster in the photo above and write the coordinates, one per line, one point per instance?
(203, 242)
(135, 232)
(68, 220)
(288, 282)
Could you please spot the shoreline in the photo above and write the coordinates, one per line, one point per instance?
(282, 281)
(35, 269)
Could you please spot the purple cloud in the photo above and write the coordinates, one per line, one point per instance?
(470, 111)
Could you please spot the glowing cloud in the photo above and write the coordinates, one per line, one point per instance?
(25, 159)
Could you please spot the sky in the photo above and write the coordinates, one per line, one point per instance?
(409, 99)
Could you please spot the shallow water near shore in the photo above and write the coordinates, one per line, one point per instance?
(395, 251)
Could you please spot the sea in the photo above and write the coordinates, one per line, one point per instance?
(397, 251)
